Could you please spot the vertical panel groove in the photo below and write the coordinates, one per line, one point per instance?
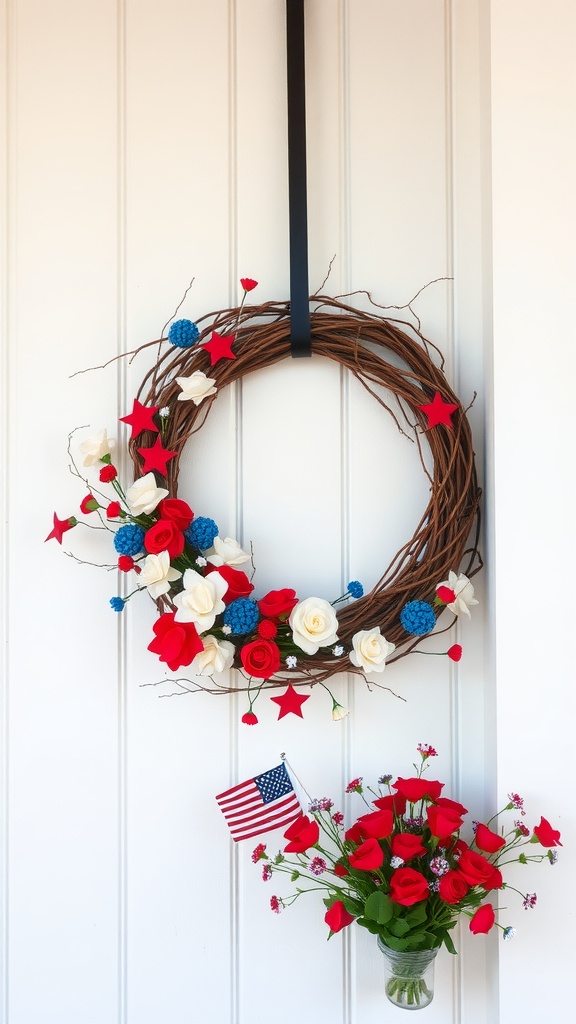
(121, 383)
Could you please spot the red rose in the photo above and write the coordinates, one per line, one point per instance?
(377, 825)
(444, 801)
(340, 870)
(238, 583)
(177, 511)
(407, 846)
(452, 887)
(416, 789)
(338, 917)
(164, 536)
(395, 802)
(487, 840)
(249, 718)
(455, 848)
(113, 510)
(301, 834)
(108, 473)
(354, 833)
(546, 835)
(408, 886)
(368, 856)
(443, 821)
(261, 658)
(478, 871)
(483, 919)
(176, 643)
(277, 603)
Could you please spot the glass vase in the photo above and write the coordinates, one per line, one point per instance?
(409, 976)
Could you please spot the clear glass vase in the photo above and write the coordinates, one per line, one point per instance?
(409, 976)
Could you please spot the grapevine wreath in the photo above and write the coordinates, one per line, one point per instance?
(209, 617)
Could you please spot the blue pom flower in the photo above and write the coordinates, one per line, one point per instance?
(418, 617)
(183, 333)
(117, 603)
(355, 589)
(129, 539)
(201, 533)
(241, 616)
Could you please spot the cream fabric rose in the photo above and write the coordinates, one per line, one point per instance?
(143, 496)
(227, 552)
(217, 656)
(370, 650)
(157, 574)
(464, 593)
(314, 624)
(196, 387)
(95, 448)
(201, 600)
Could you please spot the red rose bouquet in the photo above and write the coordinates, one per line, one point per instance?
(402, 869)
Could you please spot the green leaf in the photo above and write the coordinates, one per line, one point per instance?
(294, 876)
(399, 927)
(417, 915)
(398, 944)
(447, 940)
(378, 907)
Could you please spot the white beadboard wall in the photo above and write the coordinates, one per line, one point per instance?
(146, 145)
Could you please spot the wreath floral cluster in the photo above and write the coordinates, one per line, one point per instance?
(209, 619)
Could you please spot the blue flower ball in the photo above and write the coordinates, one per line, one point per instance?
(117, 604)
(201, 533)
(129, 539)
(241, 615)
(183, 333)
(418, 617)
(355, 589)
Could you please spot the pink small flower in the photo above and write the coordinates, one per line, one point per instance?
(266, 873)
(355, 786)
(338, 818)
(529, 901)
(522, 828)
(517, 802)
(259, 852)
(318, 866)
(426, 750)
(275, 904)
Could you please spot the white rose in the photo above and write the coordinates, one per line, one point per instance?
(370, 650)
(95, 448)
(227, 552)
(201, 600)
(217, 656)
(463, 593)
(196, 387)
(143, 496)
(157, 574)
(314, 624)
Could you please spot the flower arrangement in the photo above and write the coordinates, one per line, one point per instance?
(403, 870)
(210, 616)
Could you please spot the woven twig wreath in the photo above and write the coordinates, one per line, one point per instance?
(441, 543)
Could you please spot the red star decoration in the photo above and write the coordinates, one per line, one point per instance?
(290, 703)
(157, 457)
(438, 411)
(141, 418)
(219, 347)
(60, 528)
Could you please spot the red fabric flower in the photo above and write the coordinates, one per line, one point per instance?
(546, 835)
(338, 917)
(260, 658)
(455, 652)
(376, 825)
(302, 834)
(125, 563)
(249, 718)
(478, 871)
(164, 536)
(354, 834)
(178, 511)
(248, 284)
(453, 805)
(406, 845)
(267, 629)
(416, 789)
(445, 594)
(176, 643)
(368, 856)
(278, 603)
(394, 802)
(408, 886)
(487, 840)
(238, 583)
(483, 919)
(113, 510)
(443, 821)
(452, 887)
(89, 504)
(108, 473)
(340, 870)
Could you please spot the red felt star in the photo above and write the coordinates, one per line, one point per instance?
(141, 418)
(219, 347)
(290, 703)
(156, 457)
(60, 527)
(438, 411)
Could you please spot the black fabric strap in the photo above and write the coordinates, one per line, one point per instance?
(300, 333)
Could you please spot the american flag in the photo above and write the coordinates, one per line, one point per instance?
(260, 804)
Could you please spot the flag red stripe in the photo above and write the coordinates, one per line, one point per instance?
(257, 830)
(251, 801)
(264, 813)
(230, 792)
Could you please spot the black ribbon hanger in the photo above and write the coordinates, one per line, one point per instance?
(300, 330)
